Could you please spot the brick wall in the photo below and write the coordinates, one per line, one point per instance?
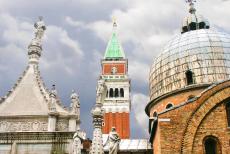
(175, 99)
(190, 123)
(118, 120)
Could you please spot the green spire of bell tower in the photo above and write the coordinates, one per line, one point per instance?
(114, 49)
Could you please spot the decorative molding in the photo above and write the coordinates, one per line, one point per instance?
(16, 125)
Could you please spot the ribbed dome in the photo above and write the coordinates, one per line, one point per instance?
(196, 57)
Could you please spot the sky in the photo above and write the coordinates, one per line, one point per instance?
(76, 38)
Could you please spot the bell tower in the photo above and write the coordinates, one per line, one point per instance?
(117, 101)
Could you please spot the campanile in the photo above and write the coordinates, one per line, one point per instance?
(117, 101)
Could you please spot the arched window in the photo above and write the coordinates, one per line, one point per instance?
(189, 77)
(121, 92)
(170, 105)
(228, 113)
(191, 97)
(155, 114)
(111, 92)
(116, 92)
(211, 145)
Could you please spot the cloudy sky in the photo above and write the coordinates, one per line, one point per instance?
(76, 38)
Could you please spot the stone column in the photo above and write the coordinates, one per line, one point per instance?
(97, 144)
(74, 123)
(52, 122)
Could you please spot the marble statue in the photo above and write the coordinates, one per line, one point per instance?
(77, 139)
(101, 91)
(75, 103)
(39, 29)
(113, 140)
(53, 95)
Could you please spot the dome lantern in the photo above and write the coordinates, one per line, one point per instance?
(194, 21)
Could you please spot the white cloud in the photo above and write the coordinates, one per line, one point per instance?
(74, 23)
(15, 31)
(138, 105)
(139, 71)
(59, 49)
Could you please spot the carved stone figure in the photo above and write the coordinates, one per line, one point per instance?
(101, 91)
(39, 29)
(77, 139)
(114, 141)
(53, 95)
(75, 103)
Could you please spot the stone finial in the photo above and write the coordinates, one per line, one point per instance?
(53, 99)
(39, 29)
(35, 47)
(114, 22)
(53, 91)
(191, 6)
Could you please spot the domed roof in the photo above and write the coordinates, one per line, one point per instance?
(195, 57)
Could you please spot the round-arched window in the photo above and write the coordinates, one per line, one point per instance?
(168, 106)
(191, 97)
(211, 145)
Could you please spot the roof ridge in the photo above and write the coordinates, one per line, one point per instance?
(18, 81)
(43, 89)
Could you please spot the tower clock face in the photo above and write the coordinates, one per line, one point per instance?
(113, 70)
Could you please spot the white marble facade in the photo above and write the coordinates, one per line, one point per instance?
(32, 118)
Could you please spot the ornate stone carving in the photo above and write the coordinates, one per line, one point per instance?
(23, 125)
(62, 125)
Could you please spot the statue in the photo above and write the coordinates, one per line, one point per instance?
(77, 139)
(75, 103)
(53, 95)
(114, 141)
(101, 91)
(39, 29)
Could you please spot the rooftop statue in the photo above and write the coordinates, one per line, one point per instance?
(78, 137)
(101, 91)
(75, 103)
(39, 29)
(113, 140)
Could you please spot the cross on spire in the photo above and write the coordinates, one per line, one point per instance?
(190, 1)
(191, 5)
(114, 22)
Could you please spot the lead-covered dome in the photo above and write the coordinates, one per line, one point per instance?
(199, 56)
(195, 57)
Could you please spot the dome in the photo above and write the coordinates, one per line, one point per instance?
(195, 57)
